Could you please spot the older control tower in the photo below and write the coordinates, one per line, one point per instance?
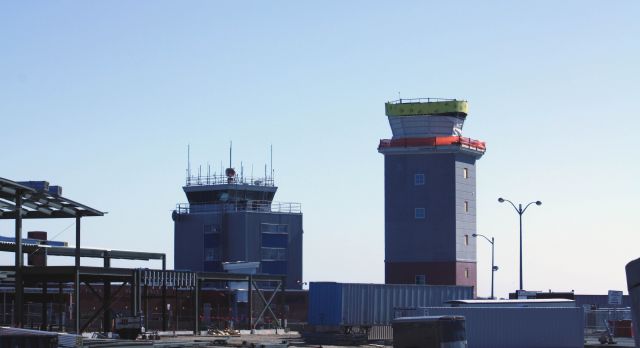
(430, 193)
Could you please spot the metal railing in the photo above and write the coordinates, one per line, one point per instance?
(240, 206)
(421, 100)
(200, 180)
(434, 142)
(594, 319)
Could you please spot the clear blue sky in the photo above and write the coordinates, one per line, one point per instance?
(103, 98)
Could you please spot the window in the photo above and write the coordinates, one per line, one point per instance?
(420, 213)
(466, 273)
(465, 173)
(274, 254)
(466, 239)
(274, 228)
(466, 206)
(212, 254)
(275, 240)
(421, 279)
(418, 179)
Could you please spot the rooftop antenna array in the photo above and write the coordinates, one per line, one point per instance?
(212, 178)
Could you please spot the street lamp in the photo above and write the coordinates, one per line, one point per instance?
(520, 211)
(493, 266)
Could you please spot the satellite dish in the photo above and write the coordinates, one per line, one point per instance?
(230, 172)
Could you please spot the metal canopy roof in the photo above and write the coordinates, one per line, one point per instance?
(38, 204)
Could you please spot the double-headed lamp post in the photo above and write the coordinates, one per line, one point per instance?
(520, 211)
(493, 266)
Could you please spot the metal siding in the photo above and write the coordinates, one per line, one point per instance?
(189, 240)
(500, 327)
(374, 304)
(408, 239)
(465, 221)
(325, 304)
(240, 239)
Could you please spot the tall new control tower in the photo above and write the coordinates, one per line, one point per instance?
(430, 193)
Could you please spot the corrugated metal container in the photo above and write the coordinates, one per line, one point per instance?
(500, 327)
(70, 341)
(15, 337)
(344, 304)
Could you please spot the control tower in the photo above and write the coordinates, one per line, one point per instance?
(430, 193)
(233, 218)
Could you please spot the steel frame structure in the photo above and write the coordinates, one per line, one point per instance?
(18, 202)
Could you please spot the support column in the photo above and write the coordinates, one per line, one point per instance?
(283, 313)
(250, 303)
(61, 307)
(134, 294)
(76, 308)
(106, 319)
(196, 292)
(19, 297)
(164, 293)
(45, 323)
(145, 299)
(76, 288)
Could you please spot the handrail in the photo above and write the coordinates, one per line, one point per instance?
(421, 100)
(240, 206)
(201, 180)
(434, 142)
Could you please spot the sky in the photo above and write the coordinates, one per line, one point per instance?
(103, 98)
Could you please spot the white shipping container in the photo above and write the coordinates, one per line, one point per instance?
(504, 327)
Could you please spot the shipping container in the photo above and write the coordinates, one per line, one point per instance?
(344, 304)
(427, 332)
(502, 327)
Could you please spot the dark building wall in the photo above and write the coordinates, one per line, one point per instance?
(408, 239)
(439, 246)
(189, 235)
(437, 273)
(206, 239)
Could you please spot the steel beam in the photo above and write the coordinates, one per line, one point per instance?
(106, 320)
(77, 277)
(164, 293)
(19, 261)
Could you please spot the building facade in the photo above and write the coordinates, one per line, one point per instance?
(230, 218)
(430, 194)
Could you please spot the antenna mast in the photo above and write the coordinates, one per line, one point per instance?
(230, 153)
(188, 163)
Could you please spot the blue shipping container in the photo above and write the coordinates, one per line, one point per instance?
(345, 304)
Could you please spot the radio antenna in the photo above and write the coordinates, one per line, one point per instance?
(230, 153)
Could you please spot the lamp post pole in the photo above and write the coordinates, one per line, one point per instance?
(520, 211)
(494, 268)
